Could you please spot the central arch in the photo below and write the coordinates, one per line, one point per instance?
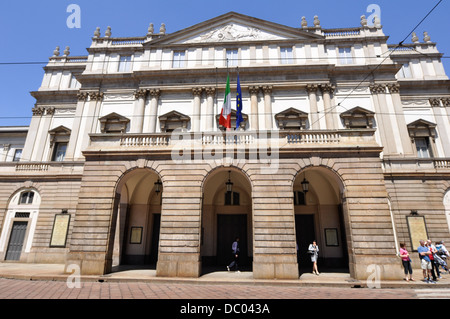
(319, 215)
(225, 216)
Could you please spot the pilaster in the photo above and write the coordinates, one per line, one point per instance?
(154, 96)
(312, 94)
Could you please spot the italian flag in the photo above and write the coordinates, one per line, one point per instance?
(225, 116)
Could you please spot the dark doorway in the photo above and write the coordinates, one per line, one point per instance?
(304, 229)
(16, 240)
(155, 239)
(228, 228)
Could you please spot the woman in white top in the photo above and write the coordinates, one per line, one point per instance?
(314, 251)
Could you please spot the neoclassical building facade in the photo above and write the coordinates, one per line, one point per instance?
(344, 139)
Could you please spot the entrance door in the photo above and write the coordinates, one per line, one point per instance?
(155, 238)
(304, 228)
(228, 228)
(16, 241)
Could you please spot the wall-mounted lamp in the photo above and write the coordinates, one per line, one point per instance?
(158, 185)
(229, 184)
(64, 211)
(414, 213)
(305, 185)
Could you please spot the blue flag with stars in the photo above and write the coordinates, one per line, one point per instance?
(238, 104)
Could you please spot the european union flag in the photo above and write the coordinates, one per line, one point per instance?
(238, 104)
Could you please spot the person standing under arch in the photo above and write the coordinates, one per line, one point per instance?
(313, 249)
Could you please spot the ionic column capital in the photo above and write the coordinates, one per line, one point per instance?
(377, 88)
(96, 96)
(393, 87)
(253, 90)
(267, 89)
(210, 91)
(197, 91)
(435, 102)
(155, 93)
(141, 93)
(327, 88)
(312, 88)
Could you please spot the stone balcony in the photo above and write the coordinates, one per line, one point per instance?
(416, 166)
(278, 141)
(65, 169)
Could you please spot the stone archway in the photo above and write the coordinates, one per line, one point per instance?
(226, 215)
(319, 216)
(137, 212)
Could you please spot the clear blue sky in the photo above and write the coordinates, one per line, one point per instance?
(30, 30)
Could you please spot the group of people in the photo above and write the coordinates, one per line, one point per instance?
(432, 257)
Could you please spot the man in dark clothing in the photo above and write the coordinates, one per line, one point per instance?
(235, 251)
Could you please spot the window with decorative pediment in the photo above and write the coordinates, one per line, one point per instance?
(174, 120)
(242, 125)
(358, 117)
(292, 119)
(423, 134)
(59, 138)
(113, 123)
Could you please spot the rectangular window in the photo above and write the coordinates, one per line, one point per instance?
(345, 56)
(286, 55)
(26, 198)
(59, 152)
(232, 57)
(422, 147)
(178, 59)
(299, 198)
(125, 63)
(232, 198)
(17, 155)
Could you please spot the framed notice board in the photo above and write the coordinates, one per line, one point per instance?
(417, 230)
(60, 230)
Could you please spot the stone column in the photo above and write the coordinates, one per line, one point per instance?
(441, 125)
(95, 99)
(312, 94)
(6, 148)
(71, 147)
(210, 94)
(383, 120)
(446, 104)
(32, 134)
(154, 93)
(327, 90)
(138, 120)
(197, 92)
(253, 90)
(268, 107)
(394, 89)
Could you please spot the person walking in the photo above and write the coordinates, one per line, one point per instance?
(235, 251)
(406, 261)
(313, 249)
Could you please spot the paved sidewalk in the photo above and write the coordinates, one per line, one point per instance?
(55, 272)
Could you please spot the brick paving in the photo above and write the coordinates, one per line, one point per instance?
(22, 289)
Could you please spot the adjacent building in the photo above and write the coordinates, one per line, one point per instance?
(344, 139)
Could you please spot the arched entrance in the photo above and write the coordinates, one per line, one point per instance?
(319, 216)
(138, 208)
(226, 214)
